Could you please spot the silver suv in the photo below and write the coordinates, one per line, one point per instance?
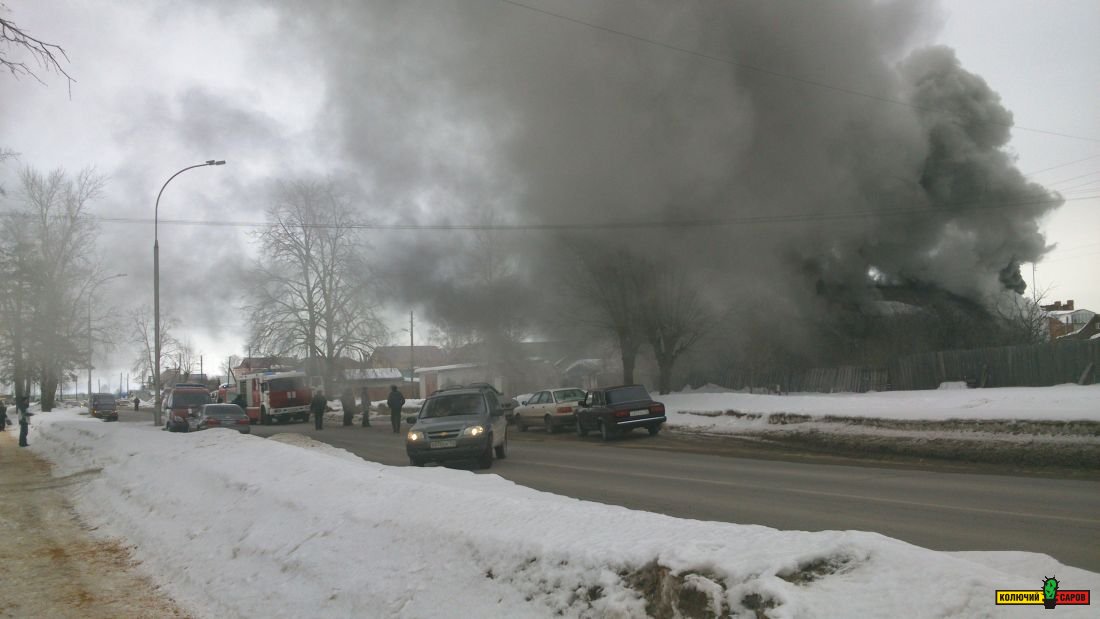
(464, 423)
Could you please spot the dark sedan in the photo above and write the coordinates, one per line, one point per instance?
(223, 416)
(612, 411)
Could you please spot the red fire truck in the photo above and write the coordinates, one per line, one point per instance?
(276, 396)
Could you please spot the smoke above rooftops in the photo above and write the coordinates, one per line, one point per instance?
(483, 111)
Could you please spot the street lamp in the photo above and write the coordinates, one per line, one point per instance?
(156, 287)
(91, 298)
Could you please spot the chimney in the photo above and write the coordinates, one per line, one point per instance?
(1069, 305)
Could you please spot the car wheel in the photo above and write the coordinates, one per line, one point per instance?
(486, 459)
(414, 461)
(580, 429)
(653, 430)
(548, 424)
(606, 433)
(265, 419)
(502, 449)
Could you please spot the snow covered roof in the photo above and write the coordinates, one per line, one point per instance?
(372, 374)
(584, 365)
(444, 368)
(1072, 317)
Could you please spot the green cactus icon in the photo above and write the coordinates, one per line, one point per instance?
(1050, 587)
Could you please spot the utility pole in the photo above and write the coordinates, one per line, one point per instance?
(412, 361)
(1034, 292)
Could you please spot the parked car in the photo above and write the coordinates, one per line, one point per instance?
(182, 406)
(224, 416)
(616, 410)
(551, 409)
(465, 423)
(103, 406)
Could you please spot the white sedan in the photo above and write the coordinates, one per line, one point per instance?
(551, 409)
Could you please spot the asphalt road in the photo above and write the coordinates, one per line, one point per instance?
(931, 508)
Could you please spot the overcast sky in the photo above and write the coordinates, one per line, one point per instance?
(160, 85)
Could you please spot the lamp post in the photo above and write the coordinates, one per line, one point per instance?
(156, 288)
(91, 298)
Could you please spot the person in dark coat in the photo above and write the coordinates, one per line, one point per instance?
(23, 405)
(364, 396)
(317, 406)
(137, 401)
(347, 402)
(240, 401)
(3, 415)
(395, 401)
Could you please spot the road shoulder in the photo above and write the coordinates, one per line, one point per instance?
(52, 565)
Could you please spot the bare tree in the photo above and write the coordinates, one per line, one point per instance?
(605, 297)
(49, 268)
(451, 337)
(672, 313)
(228, 365)
(44, 55)
(185, 359)
(142, 334)
(5, 154)
(1023, 319)
(311, 291)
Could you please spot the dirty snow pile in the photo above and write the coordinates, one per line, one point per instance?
(238, 526)
(715, 410)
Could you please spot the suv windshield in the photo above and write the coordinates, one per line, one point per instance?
(627, 394)
(454, 405)
(189, 399)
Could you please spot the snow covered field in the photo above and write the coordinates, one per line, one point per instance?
(235, 525)
(722, 411)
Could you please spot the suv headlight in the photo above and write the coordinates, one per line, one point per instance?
(473, 431)
(415, 436)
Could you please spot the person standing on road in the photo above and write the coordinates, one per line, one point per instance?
(3, 415)
(364, 395)
(23, 405)
(317, 406)
(395, 401)
(347, 402)
(137, 401)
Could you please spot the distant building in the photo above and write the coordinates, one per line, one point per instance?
(1064, 320)
(406, 356)
(1088, 330)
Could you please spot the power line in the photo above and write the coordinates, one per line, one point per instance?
(1062, 165)
(1072, 178)
(774, 73)
(946, 209)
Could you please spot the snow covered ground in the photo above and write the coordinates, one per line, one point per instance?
(236, 525)
(716, 410)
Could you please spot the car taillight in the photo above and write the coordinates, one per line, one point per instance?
(242, 422)
(657, 409)
(565, 409)
(622, 413)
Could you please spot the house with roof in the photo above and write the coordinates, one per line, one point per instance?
(1066, 321)
(405, 357)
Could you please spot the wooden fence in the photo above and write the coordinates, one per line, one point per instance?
(1037, 365)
